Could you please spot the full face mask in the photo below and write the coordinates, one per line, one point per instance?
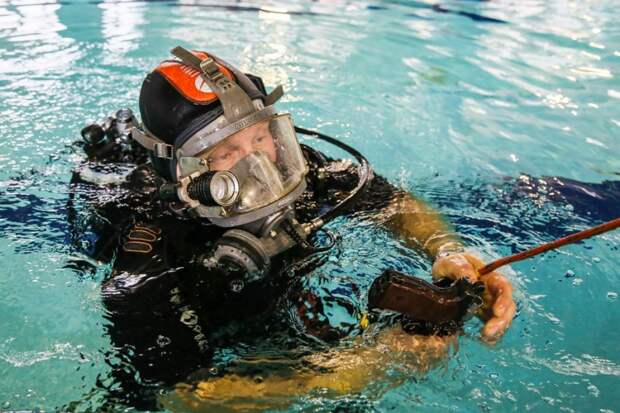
(242, 170)
(251, 174)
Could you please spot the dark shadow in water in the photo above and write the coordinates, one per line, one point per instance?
(526, 210)
(473, 16)
(439, 8)
(30, 217)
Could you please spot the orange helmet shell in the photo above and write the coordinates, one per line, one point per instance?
(187, 80)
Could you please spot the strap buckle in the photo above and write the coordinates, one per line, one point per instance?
(210, 69)
(163, 150)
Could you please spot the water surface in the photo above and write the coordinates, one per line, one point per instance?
(445, 100)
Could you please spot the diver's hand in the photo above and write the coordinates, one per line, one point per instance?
(455, 266)
(499, 307)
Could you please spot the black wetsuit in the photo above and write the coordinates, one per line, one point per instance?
(168, 313)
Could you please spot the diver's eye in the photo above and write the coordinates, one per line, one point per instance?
(260, 139)
(222, 156)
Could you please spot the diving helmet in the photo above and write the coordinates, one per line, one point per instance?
(226, 154)
(214, 134)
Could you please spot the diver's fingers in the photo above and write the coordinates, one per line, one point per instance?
(502, 304)
(503, 308)
(471, 270)
(501, 291)
(495, 327)
(466, 271)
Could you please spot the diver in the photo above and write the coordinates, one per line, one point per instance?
(216, 214)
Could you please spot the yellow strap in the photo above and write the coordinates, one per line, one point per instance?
(364, 321)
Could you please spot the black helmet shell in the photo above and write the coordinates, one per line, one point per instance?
(174, 104)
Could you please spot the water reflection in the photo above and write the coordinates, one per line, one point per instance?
(120, 27)
(266, 36)
(502, 67)
(36, 44)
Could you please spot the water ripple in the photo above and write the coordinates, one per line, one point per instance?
(467, 104)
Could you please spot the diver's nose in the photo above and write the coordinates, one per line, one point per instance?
(246, 149)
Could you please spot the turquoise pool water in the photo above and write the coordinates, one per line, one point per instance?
(446, 100)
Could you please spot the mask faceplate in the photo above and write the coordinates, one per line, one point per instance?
(266, 160)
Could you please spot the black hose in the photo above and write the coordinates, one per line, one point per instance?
(292, 232)
(328, 246)
(365, 174)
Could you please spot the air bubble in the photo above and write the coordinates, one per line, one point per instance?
(593, 390)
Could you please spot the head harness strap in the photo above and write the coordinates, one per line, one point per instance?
(235, 102)
(239, 111)
(152, 143)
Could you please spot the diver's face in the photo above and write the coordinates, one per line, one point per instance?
(252, 139)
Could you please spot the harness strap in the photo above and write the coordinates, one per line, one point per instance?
(274, 96)
(235, 102)
(186, 57)
(160, 148)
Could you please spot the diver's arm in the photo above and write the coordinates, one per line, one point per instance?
(390, 360)
(411, 219)
(420, 226)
